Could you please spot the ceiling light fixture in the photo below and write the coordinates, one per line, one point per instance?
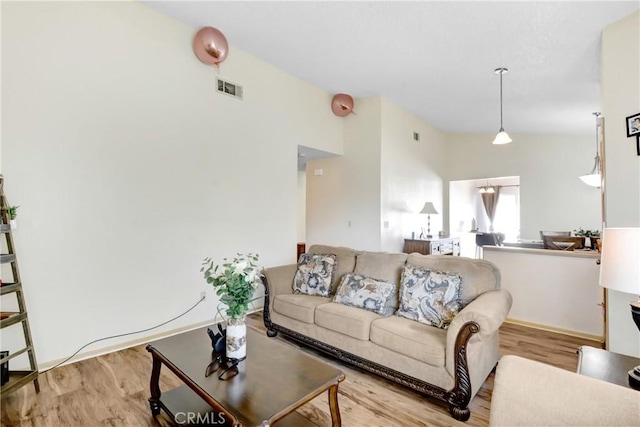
(502, 137)
(593, 178)
(487, 189)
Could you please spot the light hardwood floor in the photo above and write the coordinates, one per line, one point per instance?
(112, 390)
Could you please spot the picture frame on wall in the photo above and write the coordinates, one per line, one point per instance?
(633, 125)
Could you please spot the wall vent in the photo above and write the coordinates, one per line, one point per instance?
(229, 88)
(416, 136)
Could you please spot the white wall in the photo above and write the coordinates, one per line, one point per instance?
(343, 204)
(551, 288)
(463, 202)
(620, 82)
(302, 205)
(552, 197)
(383, 176)
(412, 173)
(130, 168)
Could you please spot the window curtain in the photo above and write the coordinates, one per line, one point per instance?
(490, 202)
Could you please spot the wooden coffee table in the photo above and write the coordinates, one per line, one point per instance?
(273, 381)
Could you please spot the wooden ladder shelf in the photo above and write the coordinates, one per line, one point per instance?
(9, 288)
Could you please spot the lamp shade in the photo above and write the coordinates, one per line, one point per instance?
(428, 208)
(592, 180)
(502, 138)
(620, 260)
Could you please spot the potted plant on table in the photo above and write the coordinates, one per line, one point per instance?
(592, 235)
(235, 282)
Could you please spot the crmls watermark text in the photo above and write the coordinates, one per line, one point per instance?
(210, 418)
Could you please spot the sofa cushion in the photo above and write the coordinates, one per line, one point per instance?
(430, 297)
(298, 306)
(314, 275)
(368, 293)
(345, 260)
(413, 339)
(480, 276)
(383, 266)
(351, 321)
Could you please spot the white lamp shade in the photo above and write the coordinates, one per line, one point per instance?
(620, 260)
(592, 180)
(502, 138)
(428, 208)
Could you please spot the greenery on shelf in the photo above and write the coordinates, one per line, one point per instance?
(12, 211)
(586, 233)
(234, 281)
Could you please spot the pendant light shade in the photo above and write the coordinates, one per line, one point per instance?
(594, 178)
(502, 137)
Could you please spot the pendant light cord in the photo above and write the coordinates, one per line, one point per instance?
(597, 148)
(501, 127)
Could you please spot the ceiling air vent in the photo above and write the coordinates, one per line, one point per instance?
(229, 88)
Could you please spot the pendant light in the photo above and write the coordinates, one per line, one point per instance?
(502, 137)
(593, 179)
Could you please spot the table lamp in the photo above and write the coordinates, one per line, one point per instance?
(428, 209)
(620, 271)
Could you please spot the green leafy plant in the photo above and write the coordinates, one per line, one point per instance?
(586, 233)
(12, 211)
(234, 281)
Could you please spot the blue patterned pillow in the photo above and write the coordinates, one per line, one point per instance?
(431, 297)
(315, 274)
(371, 294)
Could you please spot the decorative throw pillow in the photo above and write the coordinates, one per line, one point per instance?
(371, 294)
(315, 274)
(428, 296)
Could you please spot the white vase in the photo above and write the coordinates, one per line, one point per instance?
(13, 223)
(236, 338)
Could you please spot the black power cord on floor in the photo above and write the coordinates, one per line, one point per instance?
(123, 335)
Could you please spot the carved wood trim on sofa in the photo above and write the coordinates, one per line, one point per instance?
(458, 397)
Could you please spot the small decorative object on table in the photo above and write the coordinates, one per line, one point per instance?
(218, 340)
(235, 282)
(592, 235)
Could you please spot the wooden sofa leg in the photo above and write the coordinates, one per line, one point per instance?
(460, 414)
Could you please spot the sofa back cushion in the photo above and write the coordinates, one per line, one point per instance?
(367, 293)
(478, 276)
(315, 274)
(430, 297)
(383, 266)
(345, 261)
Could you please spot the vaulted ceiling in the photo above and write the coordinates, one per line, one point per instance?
(435, 59)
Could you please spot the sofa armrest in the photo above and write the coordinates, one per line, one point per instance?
(279, 280)
(489, 310)
(530, 393)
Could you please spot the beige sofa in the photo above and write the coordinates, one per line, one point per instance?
(448, 364)
(530, 393)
